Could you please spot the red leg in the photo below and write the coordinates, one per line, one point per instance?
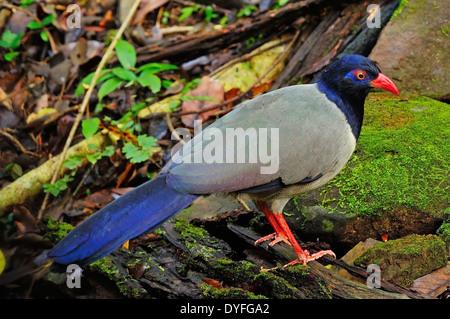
(279, 234)
(283, 233)
(303, 255)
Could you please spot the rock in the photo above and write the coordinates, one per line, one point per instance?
(403, 260)
(413, 48)
(352, 255)
(358, 250)
(435, 283)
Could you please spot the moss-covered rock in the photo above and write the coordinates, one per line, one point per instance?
(395, 183)
(406, 259)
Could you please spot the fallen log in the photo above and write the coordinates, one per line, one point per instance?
(200, 43)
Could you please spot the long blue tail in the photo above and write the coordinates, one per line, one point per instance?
(141, 210)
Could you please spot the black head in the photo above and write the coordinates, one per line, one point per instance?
(347, 81)
(349, 77)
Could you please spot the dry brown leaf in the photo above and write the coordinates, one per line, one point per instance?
(205, 95)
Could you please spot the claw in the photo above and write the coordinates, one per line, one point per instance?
(278, 238)
(306, 257)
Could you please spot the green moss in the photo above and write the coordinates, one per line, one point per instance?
(327, 225)
(405, 259)
(278, 287)
(189, 232)
(444, 230)
(126, 284)
(57, 230)
(228, 293)
(401, 159)
(398, 11)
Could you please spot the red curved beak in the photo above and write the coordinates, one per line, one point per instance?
(385, 83)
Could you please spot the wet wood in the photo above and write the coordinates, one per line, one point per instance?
(217, 258)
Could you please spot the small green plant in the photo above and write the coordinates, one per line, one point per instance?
(126, 73)
(88, 127)
(207, 11)
(59, 186)
(186, 12)
(280, 3)
(142, 150)
(10, 41)
(35, 25)
(209, 14)
(246, 11)
(26, 3)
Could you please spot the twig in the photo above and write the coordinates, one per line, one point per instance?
(87, 96)
(172, 129)
(17, 143)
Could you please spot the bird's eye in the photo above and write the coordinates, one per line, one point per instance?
(360, 76)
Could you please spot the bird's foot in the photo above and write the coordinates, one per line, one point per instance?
(307, 257)
(278, 237)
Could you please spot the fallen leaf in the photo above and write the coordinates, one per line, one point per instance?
(23, 219)
(214, 283)
(95, 200)
(204, 96)
(5, 100)
(145, 7)
(40, 116)
(108, 17)
(2, 262)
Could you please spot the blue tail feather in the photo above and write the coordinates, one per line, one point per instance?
(141, 210)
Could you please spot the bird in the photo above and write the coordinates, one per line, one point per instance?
(315, 129)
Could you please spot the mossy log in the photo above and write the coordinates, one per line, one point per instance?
(32, 182)
(188, 260)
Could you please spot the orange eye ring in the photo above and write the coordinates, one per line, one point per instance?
(360, 76)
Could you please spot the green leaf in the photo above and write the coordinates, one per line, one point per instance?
(124, 74)
(85, 81)
(10, 55)
(107, 87)
(59, 185)
(105, 75)
(109, 151)
(147, 78)
(14, 170)
(187, 12)
(48, 19)
(134, 154)
(44, 36)
(73, 162)
(209, 14)
(157, 67)
(246, 11)
(93, 158)
(4, 44)
(90, 126)
(26, 3)
(126, 54)
(146, 142)
(33, 25)
(2, 262)
(11, 40)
